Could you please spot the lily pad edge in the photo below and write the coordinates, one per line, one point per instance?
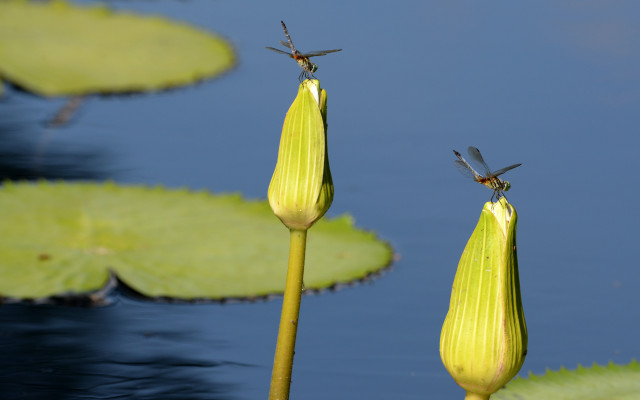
(113, 286)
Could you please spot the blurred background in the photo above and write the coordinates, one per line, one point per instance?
(553, 85)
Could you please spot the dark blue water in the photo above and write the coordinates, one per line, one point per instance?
(551, 84)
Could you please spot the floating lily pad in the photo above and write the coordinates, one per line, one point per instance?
(66, 238)
(55, 48)
(610, 382)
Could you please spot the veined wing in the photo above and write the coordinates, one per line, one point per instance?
(505, 169)
(280, 51)
(476, 157)
(320, 53)
(285, 44)
(464, 167)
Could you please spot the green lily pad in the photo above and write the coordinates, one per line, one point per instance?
(55, 48)
(610, 382)
(62, 238)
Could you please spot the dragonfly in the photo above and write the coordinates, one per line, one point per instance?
(308, 68)
(487, 177)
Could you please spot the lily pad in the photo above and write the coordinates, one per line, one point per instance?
(610, 382)
(55, 48)
(62, 238)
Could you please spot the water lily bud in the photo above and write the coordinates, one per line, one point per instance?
(484, 336)
(301, 188)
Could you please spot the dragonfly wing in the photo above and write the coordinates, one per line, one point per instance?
(476, 157)
(279, 51)
(285, 44)
(320, 53)
(465, 169)
(505, 169)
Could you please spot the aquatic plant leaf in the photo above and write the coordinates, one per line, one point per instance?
(55, 48)
(611, 382)
(62, 238)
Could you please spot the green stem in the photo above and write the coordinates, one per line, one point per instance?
(283, 361)
(476, 396)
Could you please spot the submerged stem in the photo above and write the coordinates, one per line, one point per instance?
(283, 361)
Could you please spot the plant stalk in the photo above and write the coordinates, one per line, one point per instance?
(476, 396)
(283, 361)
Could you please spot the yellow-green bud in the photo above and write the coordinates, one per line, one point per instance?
(484, 336)
(301, 188)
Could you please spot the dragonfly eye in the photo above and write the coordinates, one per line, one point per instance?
(314, 68)
(507, 186)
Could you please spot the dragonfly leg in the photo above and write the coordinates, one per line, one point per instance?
(302, 76)
(305, 75)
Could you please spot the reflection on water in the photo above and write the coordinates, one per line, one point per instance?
(25, 153)
(53, 352)
(555, 84)
(62, 352)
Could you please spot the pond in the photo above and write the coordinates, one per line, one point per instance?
(552, 85)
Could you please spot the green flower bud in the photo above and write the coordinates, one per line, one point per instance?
(301, 188)
(484, 336)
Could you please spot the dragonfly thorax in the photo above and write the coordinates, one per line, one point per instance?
(307, 65)
(494, 183)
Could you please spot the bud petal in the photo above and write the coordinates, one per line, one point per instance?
(301, 188)
(484, 337)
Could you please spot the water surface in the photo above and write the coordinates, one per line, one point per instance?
(551, 84)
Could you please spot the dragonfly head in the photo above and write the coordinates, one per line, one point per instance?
(506, 186)
(314, 68)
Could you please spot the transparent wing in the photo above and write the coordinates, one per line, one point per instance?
(320, 53)
(464, 167)
(285, 44)
(280, 51)
(476, 157)
(505, 169)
